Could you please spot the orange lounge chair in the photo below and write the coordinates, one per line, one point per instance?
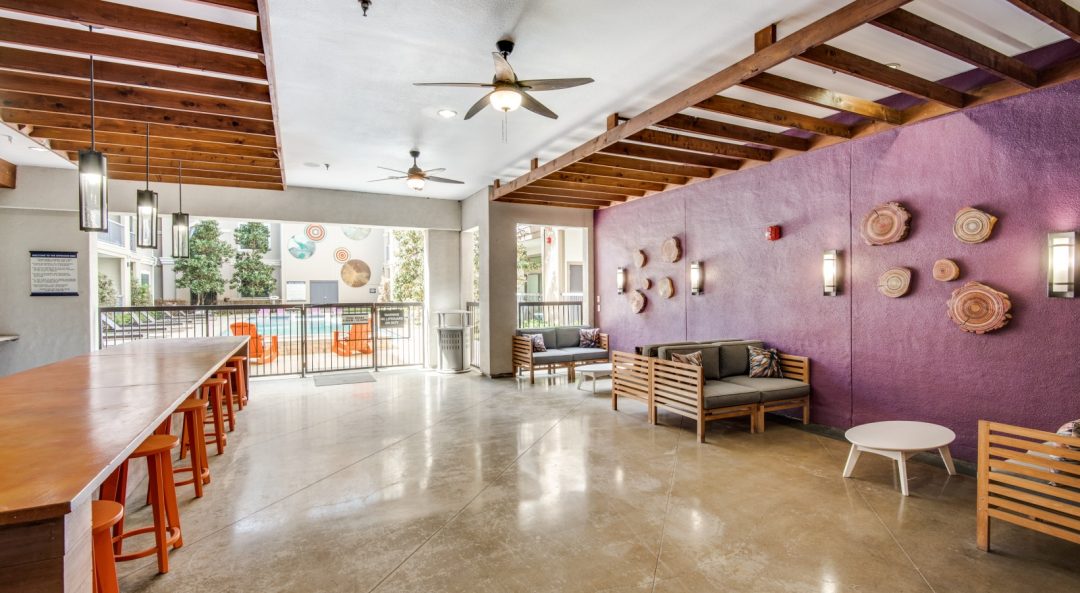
(357, 340)
(257, 353)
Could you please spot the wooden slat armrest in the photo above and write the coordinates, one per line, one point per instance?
(677, 383)
(795, 367)
(522, 350)
(604, 343)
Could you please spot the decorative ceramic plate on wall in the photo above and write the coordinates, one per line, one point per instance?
(671, 250)
(639, 258)
(315, 232)
(301, 247)
(341, 255)
(973, 225)
(894, 283)
(644, 284)
(355, 273)
(356, 232)
(978, 308)
(886, 223)
(637, 301)
(667, 288)
(946, 270)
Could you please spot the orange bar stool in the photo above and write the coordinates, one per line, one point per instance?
(213, 391)
(228, 400)
(157, 449)
(193, 438)
(104, 515)
(240, 385)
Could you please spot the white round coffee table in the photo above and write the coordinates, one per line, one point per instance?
(899, 440)
(593, 372)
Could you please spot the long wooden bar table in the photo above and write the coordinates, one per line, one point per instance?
(64, 428)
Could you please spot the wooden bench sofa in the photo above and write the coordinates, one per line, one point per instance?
(563, 351)
(720, 388)
(1030, 478)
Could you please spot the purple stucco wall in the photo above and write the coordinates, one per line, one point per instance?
(875, 358)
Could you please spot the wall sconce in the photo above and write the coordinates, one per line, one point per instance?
(620, 280)
(1061, 273)
(697, 278)
(146, 215)
(830, 273)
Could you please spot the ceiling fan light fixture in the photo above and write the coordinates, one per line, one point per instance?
(505, 100)
(415, 182)
(447, 113)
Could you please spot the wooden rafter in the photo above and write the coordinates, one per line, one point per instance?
(173, 179)
(617, 173)
(175, 171)
(1055, 13)
(188, 165)
(630, 164)
(7, 174)
(704, 145)
(711, 127)
(540, 187)
(53, 134)
(184, 155)
(813, 95)
(587, 187)
(671, 155)
(839, 60)
(614, 183)
(251, 6)
(533, 197)
(774, 116)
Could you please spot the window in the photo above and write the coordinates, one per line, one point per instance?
(575, 278)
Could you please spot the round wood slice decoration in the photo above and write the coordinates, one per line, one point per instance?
(973, 226)
(644, 284)
(640, 259)
(894, 283)
(886, 223)
(978, 309)
(637, 301)
(946, 270)
(670, 250)
(667, 288)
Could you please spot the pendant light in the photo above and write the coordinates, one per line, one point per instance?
(180, 222)
(93, 179)
(146, 208)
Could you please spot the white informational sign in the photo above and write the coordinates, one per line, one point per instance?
(361, 318)
(296, 291)
(54, 273)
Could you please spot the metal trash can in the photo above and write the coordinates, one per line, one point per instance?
(452, 343)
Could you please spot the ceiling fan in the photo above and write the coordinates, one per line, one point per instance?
(508, 93)
(416, 177)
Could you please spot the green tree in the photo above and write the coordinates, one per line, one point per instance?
(140, 293)
(252, 277)
(525, 265)
(201, 272)
(106, 291)
(476, 266)
(409, 272)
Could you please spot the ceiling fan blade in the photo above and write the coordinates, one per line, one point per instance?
(553, 84)
(434, 170)
(503, 71)
(479, 105)
(443, 180)
(470, 85)
(394, 170)
(385, 179)
(536, 106)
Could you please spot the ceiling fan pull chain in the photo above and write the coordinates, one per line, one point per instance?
(505, 127)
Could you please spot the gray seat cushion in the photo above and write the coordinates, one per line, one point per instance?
(568, 336)
(772, 389)
(586, 353)
(721, 394)
(548, 333)
(710, 358)
(552, 356)
(735, 357)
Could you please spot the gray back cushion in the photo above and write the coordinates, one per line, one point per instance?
(549, 336)
(653, 349)
(710, 357)
(735, 357)
(568, 337)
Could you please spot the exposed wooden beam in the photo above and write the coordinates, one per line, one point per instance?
(807, 93)
(587, 187)
(251, 6)
(185, 155)
(539, 187)
(1055, 13)
(631, 164)
(836, 23)
(524, 195)
(519, 200)
(617, 173)
(192, 173)
(917, 29)
(7, 174)
(16, 100)
(711, 127)
(112, 93)
(268, 55)
(138, 140)
(141, 20)
(172, 179)
(188, 165)
(101, 44)
(140, 76)
(103, 124)
(609, 181)
(848, 63)
(696, 144)
(671, 155)
(772, 115)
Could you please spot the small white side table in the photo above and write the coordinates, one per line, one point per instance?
(594, 372)
(899, 440)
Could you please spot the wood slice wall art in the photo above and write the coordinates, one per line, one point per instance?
(637, 301)
(644, 284)
(946, 270)
(639, 258)
(973, 225)
(894, 283)
(667, 288)
(886, 223)
(670, 250)
(978, 308)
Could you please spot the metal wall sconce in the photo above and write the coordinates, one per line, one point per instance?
(697, 278)
(1061, 273)
(620, 280)
(830, 273)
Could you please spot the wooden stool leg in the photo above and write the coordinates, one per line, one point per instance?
(228, 403)
(200, 443)
(104, 570)
(157, 508)
(172, 511)
(114, 488)
(191, 421)
(219, 421)
(241, 380)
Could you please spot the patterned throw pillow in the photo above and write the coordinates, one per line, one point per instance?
(693, 358)
(764, 362)
(589, 338)
(1069, 429)
(538, 342)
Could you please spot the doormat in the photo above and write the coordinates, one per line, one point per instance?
(343, 379)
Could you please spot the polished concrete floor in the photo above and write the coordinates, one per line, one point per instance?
(426, 483)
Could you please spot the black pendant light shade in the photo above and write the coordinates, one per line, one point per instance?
(146, 208)
(93, 179)
(180, 224)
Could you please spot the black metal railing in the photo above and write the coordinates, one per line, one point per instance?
(286, 339)
(549, 314)
(473, 308)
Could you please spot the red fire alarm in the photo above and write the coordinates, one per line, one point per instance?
(548, 240)
(772, 233)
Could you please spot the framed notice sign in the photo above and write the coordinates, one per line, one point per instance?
(392, 318)
(54, 273)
